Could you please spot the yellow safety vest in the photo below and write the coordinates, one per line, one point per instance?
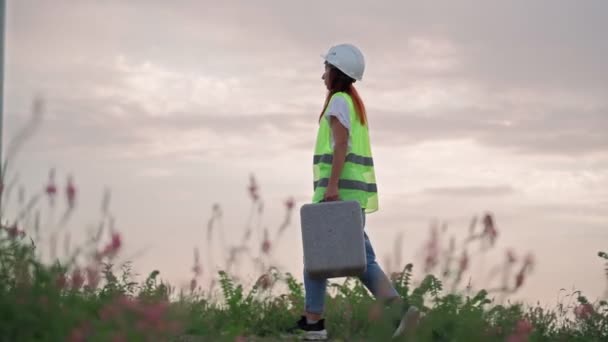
(358, 179)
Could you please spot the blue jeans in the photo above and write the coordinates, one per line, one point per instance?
(374, 279)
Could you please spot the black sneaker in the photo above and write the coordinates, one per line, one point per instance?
(309, 332)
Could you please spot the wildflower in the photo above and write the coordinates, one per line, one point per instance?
(51, 188)
(529, 262)
(127, 303)
(253, 188)
(289, 203)
(70, 192)
(14, 232)
(524, 326)
(61, 281)
(511, 256)
(489, 230)
(108, 311)
(264, 281)
(197, 269)
(519, 279)
(523, 329)
(153, 313)
(517, 338)
(77, 279)
(464, 262)
(116, 241)
(266, 246)
(111, 248)
(432, 249)
(92, 277)
(584, 311)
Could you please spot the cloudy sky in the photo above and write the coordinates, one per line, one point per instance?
(474, 106)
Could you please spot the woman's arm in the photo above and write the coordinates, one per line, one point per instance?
(340, 135)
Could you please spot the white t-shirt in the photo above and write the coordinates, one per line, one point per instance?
(338, 107)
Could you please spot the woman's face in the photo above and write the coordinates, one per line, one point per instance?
(325, 76)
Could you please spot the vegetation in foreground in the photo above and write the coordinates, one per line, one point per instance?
(90, 294)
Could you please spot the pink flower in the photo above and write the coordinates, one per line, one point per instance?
(464, 262)
(489, 230)
(290, 203)
(529, 262)
(523, 329)
(511, 256)
(61, 281)
(116, 241)
(77, 279)
(14, 232)
(432, 250)
(127, 303)
(266, 246)
(516, 338)
(264, 281)
(253, 188)
(153, 313)
(519, 279)
(584, 311)
(524, 326)
(197, 269)
(70, 192)
(108, 311)
(93, 277)
(111, 249)
(51, 189)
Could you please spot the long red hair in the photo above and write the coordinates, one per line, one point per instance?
(339, 82)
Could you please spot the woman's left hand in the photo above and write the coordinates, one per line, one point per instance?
(331, 193)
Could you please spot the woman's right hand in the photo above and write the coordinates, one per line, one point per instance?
(331, 193)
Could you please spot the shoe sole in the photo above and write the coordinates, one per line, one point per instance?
(314, 336)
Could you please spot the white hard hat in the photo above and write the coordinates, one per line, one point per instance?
(348, 59)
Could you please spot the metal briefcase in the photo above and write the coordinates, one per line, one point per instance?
(333, 240)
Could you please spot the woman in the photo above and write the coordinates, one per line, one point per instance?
(344, 170)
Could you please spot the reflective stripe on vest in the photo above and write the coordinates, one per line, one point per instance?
(351, 157)
(348, 184)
